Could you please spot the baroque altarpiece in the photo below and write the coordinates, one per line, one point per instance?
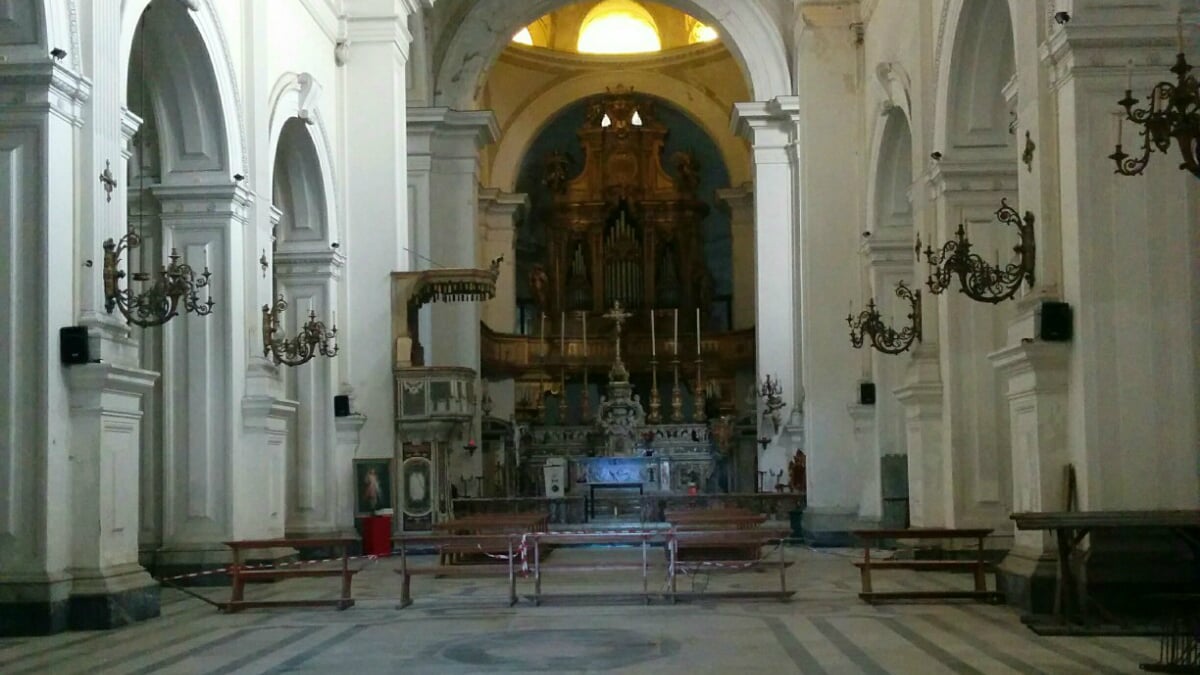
(622, 267)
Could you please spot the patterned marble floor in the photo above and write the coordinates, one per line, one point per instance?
(466, 626)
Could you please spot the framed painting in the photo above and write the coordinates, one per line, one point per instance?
(373, 488)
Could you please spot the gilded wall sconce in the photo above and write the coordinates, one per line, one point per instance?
(979, 280)
(869, 326)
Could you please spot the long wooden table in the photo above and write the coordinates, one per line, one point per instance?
(977, 565)
(1070, 528)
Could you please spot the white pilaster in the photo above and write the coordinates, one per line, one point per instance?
(448, 143)
(40, 116)
(105, 444)
(1129, 272)
(740, 201)
(379, 232)
(308, 282)
(208, 466)
(349, 437)
(930, 481)
(1036, 375)
(498, 212)
(867, 462)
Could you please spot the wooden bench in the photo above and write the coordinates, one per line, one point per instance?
(507, 544)
(711, 548)
(737, 542)
(240, 574)
(977, 564)
(460, 552)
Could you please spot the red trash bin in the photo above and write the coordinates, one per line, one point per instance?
(377, 535)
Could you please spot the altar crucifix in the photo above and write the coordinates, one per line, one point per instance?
(618, 315)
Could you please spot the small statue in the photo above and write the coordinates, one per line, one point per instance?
(539, 282)
(554, 171)
(798, 472)
(688, 168)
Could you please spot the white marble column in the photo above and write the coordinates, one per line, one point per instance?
(308, 282)
(1128, 272)
(378, 227)
(929, 477)
(498, 212)
(740, 201)
(777, 341)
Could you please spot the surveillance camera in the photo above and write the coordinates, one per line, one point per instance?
(866, 234)
(239, 177)
(58, 53)
(1061, 18)
(937, 156)
(334, 245)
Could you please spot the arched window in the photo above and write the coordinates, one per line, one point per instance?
(524, 37)
(618, 27)
(702, 33)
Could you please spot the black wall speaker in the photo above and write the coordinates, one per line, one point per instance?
(1053, 321)
(341, 406)
(73, 345)
(866, 393)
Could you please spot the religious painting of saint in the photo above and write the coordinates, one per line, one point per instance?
(372, 485)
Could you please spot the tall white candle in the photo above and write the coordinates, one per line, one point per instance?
(1129, 76)
(562, 339)
(1179, 32)
(697, 331)
(652, 353)
(675, 341)
(543, 333)
(585, 334)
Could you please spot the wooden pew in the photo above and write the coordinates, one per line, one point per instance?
(745, 546)
(456, 552)
(507, 544)
(715, 548)
(977, 564)
(239, 574)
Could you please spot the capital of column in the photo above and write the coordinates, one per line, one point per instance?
(884, 251)
(450, 134)
(767, 124)
(950, 176)
(203, 203)
(380, 21)
(1102, 39)
(499, 208)
(41, 87)
(740, 200)
(309, 265)
(1033, 367)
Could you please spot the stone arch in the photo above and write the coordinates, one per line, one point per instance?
(977, 62)
(750, 33)
(298, 188)
(297, 128)
(195, 67)
(533, 117)
(890, 203)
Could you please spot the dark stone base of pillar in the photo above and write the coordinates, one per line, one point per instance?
(113, 610)
(21, 619)
(830, 529)
(1027, 581)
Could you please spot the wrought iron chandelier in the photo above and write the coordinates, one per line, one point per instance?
(979, 280)
(886, 339)
(176, 282)
(158, 304)
(1173, 112)
(314, 337)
